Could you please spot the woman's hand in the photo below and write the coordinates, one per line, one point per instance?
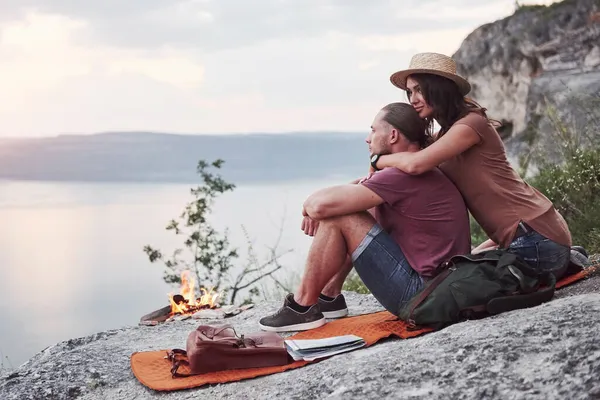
(485, 246)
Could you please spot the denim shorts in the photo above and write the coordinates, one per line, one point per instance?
(383, 268)
(541, 253)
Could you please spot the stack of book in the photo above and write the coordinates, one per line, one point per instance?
(313, 349)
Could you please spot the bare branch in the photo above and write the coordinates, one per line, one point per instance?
(281, 285)
(267, 263)
(259, 278)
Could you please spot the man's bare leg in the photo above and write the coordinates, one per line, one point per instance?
(327, 263)
(335, 284)
(335, 240)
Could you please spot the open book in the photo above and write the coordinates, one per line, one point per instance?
(312, 349)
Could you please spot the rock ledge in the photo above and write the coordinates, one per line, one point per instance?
(551, 351)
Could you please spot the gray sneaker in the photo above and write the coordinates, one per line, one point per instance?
(579, 256)
(288, 320)
(335, 308)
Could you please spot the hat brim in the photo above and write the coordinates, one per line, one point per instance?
(398, 79)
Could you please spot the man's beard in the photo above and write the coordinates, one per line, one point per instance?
(385, 151)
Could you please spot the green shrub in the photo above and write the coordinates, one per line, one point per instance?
(574, 188)
(572, 183)
(478, 236)
(353, 283)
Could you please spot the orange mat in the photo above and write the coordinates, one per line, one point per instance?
(578, 276)
(153, 370)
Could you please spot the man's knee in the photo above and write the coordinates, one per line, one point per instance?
(354, 227)
(351, 220)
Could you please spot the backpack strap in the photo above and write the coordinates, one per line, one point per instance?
(527, 286)
(178, 357)
(502, 304)
(420, 297)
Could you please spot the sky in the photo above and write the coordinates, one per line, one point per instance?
(216, 66)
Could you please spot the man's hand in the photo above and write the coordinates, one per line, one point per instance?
(309, 226)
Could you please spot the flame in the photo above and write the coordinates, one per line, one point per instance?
(187, 302)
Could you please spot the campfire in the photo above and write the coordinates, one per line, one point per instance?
(186, 304)
(186, 301)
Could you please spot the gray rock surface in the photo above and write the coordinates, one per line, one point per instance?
(548, 352)
(541, 61)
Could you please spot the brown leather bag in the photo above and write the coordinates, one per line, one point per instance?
(219, 348)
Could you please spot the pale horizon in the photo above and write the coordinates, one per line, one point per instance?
(208, 67)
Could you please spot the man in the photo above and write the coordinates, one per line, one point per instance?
(415, 223)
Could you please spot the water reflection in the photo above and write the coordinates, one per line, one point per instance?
(71, 260)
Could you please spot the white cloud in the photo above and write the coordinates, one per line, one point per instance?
(36, 31)
(175, 69)
(215, 66)
(40, 53)
(36, 56)
(439, 11)
(188, 13)
(445, 41)
(366, 65)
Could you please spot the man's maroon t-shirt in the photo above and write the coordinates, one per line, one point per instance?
(425, 214)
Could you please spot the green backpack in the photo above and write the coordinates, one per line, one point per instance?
(475, 286)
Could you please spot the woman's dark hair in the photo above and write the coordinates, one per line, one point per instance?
(406, 120)
(449, 105)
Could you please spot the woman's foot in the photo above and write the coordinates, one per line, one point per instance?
(579, 256)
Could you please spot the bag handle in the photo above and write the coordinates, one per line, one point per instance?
(216, 331)
(241, 342)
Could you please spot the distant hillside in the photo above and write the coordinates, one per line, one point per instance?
(158, 157)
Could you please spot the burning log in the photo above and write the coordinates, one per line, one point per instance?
(153, 318)
(183, 304)
(186, 301)
(178, 299)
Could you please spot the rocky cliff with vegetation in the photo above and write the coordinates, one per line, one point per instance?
(538, 72)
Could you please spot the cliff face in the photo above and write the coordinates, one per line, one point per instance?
(534, 67)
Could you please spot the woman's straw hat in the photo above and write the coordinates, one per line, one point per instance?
(431, 63)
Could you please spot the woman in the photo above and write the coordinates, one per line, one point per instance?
(468, 149)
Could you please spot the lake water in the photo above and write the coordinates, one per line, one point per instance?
(71, 259)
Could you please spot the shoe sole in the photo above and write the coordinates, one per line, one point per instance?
(576, 258)
(580, 250)
(294, 328)
(335, 314)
